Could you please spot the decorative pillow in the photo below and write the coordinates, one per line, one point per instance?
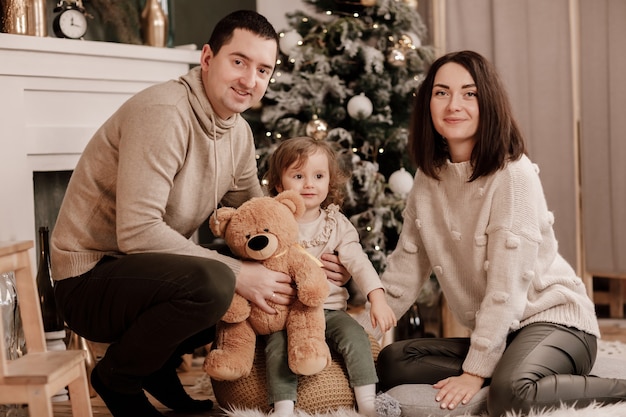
(319, 393)
(418, 400)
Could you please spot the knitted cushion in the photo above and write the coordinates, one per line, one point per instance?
(324, 391)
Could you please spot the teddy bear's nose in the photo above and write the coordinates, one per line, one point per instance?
(258, 242)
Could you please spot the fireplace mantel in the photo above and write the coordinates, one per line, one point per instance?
(54, 94)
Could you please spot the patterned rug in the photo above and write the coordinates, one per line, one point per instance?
(615, 410)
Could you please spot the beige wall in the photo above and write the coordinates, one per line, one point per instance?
(275, 10)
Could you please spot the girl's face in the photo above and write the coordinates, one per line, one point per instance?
(454, 109)
(311, 179)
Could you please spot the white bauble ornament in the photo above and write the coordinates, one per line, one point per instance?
(288, 41)
(317, 129)
(360, 107)
(401, 181)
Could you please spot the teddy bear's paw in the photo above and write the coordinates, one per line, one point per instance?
(313, 295)
(225, 374)
(238, 311)
(309, 360)
(221, 368)
(310, 366)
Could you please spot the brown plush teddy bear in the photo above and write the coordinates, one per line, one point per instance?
(265, 229)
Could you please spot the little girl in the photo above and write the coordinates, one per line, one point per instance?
(310, 167)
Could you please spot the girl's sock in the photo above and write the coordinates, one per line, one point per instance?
(366, 400)
(283, 408)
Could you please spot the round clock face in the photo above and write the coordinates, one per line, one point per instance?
(71, 23)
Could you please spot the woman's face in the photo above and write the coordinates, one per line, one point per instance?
(454, 109)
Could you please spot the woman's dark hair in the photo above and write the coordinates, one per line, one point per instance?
(297, 151)
(498, 137)
(241, 19)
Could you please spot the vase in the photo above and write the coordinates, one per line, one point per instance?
(37, 24)
(14, 342)
(24, 17)
(154, 24)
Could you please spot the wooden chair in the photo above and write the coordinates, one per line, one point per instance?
(39, 374)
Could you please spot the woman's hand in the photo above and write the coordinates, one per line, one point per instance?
(457, 390)
(259, 285)
(335, 271)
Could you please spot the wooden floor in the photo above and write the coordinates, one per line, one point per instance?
(188, 378)
(611, 329)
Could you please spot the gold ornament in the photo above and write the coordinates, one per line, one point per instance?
(406, 42)
(368, 3)
(317, 128)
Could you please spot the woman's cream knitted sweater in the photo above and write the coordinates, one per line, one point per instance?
(492, 246)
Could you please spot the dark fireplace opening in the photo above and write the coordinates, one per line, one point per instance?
(49, 190)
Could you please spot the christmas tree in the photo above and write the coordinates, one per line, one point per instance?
(348, 74)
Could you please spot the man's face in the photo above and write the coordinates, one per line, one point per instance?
(237, 76)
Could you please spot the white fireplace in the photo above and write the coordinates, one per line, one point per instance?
(54, 94)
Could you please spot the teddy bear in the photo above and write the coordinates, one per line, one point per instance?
(265, 229)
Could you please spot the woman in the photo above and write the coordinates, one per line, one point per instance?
(477, 217)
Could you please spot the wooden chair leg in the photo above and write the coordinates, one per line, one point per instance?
(616, 303)
(39, 402)
(79, 395)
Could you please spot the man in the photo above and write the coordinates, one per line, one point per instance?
(126, 272)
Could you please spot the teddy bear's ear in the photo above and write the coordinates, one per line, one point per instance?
(293, 201)
(219, 220)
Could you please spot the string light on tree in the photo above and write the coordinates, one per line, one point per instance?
(396, 57)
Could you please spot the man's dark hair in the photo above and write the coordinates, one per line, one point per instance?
(241, 19)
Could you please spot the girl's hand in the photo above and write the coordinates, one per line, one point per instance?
(335, 271)
(457, 390)
(380, 313)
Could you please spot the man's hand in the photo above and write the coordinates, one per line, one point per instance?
(457, 390)
(259, 285)
(335, 271)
